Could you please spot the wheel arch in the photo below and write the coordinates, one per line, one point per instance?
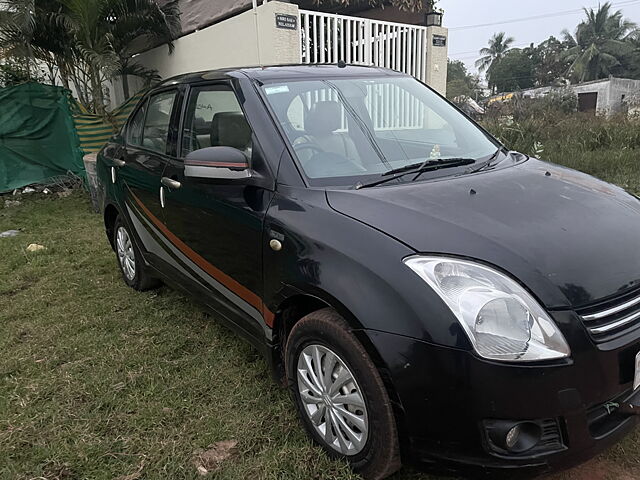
(110, 214)
(301, 303)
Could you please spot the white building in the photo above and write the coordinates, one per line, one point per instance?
(237, 33)
(604, 97)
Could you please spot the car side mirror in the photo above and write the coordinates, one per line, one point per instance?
(226, 163)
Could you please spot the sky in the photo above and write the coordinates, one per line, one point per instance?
(464, 17)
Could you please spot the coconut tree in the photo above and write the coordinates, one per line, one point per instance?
(498, 46)
(599, 43)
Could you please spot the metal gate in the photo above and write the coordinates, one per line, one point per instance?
(329, 38)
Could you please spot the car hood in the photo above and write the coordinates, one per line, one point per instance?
(570, 238)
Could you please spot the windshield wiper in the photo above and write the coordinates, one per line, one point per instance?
(485, 164)
(429, 165)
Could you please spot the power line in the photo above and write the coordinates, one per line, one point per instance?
(476, 52)
(540, 17)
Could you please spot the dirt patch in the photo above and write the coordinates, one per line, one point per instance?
(597, 469)
(57, 471)
(133, 476)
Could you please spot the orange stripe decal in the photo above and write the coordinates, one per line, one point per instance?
(237, 288)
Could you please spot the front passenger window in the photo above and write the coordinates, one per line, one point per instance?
(155, 133)
(214, 119)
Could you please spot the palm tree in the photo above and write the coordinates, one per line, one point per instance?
(632, 60)
(17, 25)
(87, 42)
(139, 25)
(599, 43)
(407, 5)
(499, 45)
(106, 32)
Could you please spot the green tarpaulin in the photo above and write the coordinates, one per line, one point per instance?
(37, 136)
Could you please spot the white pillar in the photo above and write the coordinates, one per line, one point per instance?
(437, 55)
(278, 45)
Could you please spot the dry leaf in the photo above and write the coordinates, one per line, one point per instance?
(35, 247)
(210, 460)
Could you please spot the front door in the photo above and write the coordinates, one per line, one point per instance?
(216, 225)
(587, 102)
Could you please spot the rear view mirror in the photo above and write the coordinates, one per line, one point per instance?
(217, 162)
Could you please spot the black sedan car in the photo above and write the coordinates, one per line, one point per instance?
(427, 295)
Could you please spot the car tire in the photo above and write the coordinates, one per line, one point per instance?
(130, 259)
(323, 339)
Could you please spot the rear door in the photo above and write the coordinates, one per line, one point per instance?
(215, 224)
(150, 141)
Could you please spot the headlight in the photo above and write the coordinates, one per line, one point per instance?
(502, 320)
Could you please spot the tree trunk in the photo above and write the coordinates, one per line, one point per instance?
(125, 87)
(80, 91)
(28, 60)
(96, 92)
(64, 79)
(62, 71)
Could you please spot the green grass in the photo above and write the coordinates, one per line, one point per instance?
(98, 381)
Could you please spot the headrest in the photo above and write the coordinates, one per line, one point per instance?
(325, 117)
(230, 129)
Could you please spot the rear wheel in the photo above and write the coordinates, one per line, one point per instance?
(340, 396)
(130, 260)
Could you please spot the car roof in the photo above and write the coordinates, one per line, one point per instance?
(282, 72)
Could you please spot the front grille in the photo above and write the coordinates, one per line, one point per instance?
(614, 318)
(551, 437)
(604, 419)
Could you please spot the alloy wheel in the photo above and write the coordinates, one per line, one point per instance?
(332, 399)
(126, 255)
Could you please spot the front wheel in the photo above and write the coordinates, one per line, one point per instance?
(340, 396)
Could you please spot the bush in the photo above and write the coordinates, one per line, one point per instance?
(555, 103)
(576, 132)
(606, 147)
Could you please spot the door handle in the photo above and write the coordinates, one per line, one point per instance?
(118, 162)
(170, 183)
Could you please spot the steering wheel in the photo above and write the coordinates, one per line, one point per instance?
(308, 146)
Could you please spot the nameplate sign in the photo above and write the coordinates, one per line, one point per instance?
(288, 22)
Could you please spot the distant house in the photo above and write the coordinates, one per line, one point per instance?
(602, 97)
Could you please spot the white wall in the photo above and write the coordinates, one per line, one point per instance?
(251, 39)
(230, 43)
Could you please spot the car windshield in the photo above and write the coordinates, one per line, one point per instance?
(348, 130)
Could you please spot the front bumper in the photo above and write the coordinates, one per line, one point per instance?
(446, 395)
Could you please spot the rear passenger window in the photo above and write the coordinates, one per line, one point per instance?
(134, 130)
(214, 119)
(156, 125)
